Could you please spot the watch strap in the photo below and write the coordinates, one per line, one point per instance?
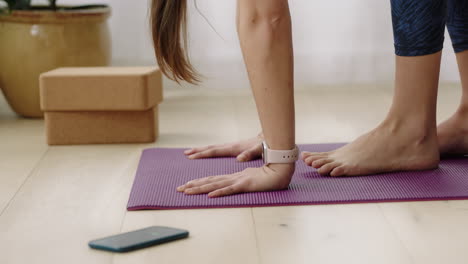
(282, 156)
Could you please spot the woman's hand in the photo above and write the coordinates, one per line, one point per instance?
(245, 150)
(267, 178)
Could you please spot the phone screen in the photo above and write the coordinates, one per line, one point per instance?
(139, 239)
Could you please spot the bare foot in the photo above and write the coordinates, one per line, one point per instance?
(453, 134)
(393, 146)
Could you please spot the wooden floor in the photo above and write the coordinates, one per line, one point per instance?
(53, 200)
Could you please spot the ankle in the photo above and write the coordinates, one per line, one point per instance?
(416, 130)
(462, 111)
(410, 123)
(421, 118)
(458, 122)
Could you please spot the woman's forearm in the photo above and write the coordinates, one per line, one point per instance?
(264, 28)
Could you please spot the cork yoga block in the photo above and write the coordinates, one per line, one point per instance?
(100, 88)
(101, 105)
(101, 127)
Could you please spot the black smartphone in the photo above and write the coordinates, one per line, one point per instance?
(138, 239)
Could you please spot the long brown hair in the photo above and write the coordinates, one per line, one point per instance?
(169, 29)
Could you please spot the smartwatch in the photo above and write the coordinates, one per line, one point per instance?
(279, 156)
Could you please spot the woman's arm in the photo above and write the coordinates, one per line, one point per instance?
(264, 28)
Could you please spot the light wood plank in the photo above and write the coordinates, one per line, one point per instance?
(332, 116)
(433, 232)
(76, 194)
(356, 233)
(216, 236)
(190, 118)
(22, 145)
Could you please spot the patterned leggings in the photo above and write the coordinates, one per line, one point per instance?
(419, 25)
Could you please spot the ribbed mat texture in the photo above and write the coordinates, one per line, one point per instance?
(161, 170)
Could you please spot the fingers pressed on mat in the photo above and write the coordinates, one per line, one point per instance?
(213, 152)
(208, 187)
(197, 155)
(196, 183)
(203, 181)
(249, 154)
(198, 149)
(228, 190)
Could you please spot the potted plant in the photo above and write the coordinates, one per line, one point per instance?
(37, 38)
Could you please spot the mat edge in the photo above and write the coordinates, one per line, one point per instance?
(142, 208)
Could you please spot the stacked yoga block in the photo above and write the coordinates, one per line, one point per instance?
(101, 105)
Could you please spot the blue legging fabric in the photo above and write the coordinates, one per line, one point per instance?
(419, 25)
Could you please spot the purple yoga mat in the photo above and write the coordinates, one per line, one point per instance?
(161, 170)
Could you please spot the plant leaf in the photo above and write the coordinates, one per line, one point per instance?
(10, 3)
(20, 4)
(53, 4)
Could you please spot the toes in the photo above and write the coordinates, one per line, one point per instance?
(338, 171)
(320, 162)
(327, 168)
(311, 159)
(305, 154)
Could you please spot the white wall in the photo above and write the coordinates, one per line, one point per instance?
(347, 43)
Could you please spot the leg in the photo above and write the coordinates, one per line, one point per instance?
(406, 139)
(453, 133)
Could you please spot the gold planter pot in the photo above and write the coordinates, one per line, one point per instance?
(33, 42)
